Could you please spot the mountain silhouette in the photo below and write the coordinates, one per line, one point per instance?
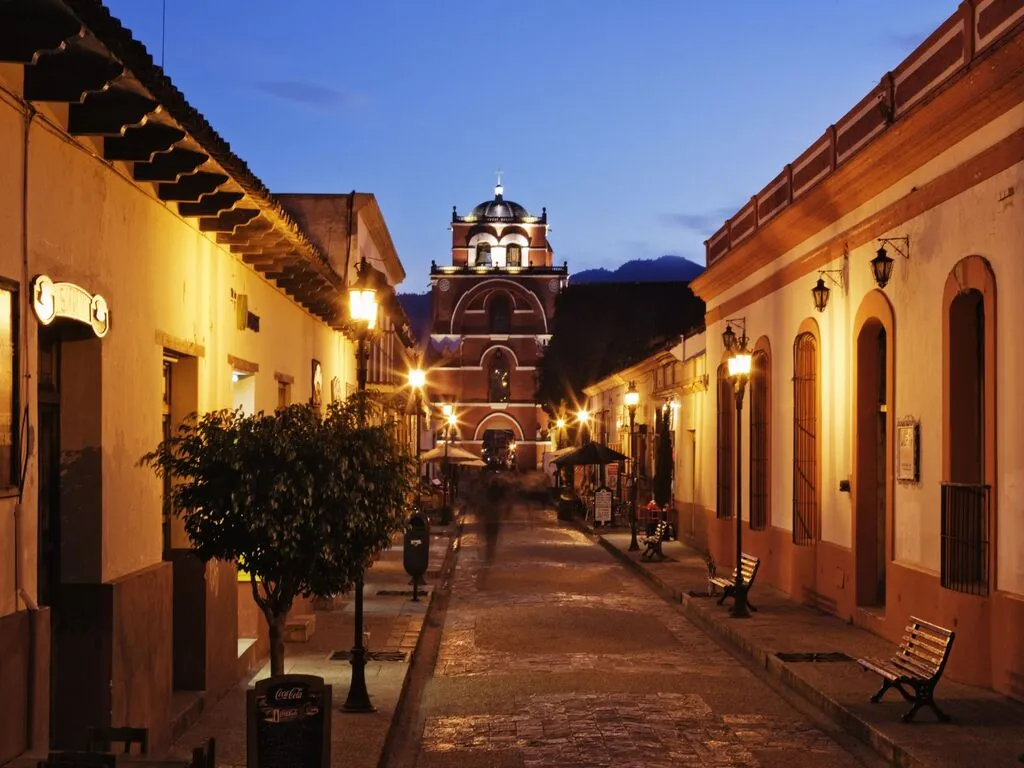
(663, 269)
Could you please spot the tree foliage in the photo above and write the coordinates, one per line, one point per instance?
(303, 501)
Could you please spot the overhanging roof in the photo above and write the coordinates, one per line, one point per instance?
(75, 52)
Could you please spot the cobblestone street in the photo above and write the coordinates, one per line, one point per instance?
(553, 654)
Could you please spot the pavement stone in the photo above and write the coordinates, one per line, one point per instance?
(986, 727)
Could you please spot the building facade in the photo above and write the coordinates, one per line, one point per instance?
(880, 462)
(145, 273)
(492, 312)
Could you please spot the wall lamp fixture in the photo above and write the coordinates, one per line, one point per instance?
(729, 338)
(881, 265)
(821, 292)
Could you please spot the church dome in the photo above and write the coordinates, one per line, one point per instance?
(499, 209)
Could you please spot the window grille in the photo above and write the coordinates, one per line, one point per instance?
(759, 441)
(806, 512)
(726, 426)
(965, 538)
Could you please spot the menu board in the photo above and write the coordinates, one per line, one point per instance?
(603, 506)
(288, 723)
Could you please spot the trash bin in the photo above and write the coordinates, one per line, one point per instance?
(416, 551)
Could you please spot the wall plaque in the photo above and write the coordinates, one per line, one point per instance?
(908, 450)
(603, 506)
(51, 301)
(288, 723)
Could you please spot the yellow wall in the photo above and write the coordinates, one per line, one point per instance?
(88, 223)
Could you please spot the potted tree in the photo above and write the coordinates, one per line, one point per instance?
(303, 501)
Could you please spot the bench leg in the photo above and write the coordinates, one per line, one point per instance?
(726, 592)
(925, 698)
(750, 605)
(886, 685)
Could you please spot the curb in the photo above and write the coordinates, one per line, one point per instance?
(778, 670)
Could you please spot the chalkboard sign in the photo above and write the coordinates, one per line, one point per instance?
(288, 723)
(603, 505)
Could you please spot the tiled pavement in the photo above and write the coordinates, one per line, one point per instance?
(986, 728)
(548, 658)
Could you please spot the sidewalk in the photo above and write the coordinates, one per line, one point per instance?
(986, 728)
(393, 623)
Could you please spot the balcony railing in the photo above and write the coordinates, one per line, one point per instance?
(966, 528)
(435, 269)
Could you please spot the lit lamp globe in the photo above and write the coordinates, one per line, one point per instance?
(362, 299)
(560, 424)
(632, 399)
(417, 378)
(583, 416)
(739, 364)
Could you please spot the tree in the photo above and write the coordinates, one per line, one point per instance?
(302, 501)
(663, 460)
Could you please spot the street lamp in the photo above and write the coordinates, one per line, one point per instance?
(417, 380)
(739, 372)
(583, 417)
(632, 401)
(362, 305)
(450, 421)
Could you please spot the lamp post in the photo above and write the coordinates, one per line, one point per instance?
(362, 303)
(417, 380)
(739, 372)
(583, 418)
(632, 401)
(449, 421)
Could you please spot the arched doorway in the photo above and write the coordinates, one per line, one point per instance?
(873, 448)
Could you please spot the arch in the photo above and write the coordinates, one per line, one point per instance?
(873, 385)
(806, 438)
(969, 453)
(760, 452)
(515, 289)
(512, 231)
(494, 348)
(480, 229)
(517, 428)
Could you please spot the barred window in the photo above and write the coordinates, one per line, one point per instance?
(806, 511)
(9, 423)
(759, 441)
(726, 427)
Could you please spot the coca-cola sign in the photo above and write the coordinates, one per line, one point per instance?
(289, 723)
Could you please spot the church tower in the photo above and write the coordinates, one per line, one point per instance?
(493, 308)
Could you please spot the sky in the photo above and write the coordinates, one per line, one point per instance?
(640, 125)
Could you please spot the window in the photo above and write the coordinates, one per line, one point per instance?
(726, 427)
(965, 495)
(498, 379)
(284, 394)
(500, 314)
(806, 512)
(483, 254)
(759, 441)
(9, 422)
(513, 255)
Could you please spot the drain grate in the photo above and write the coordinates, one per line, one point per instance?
(820, 657)
(402, 592)
(372, 656)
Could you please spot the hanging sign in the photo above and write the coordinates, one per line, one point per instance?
(52, 300)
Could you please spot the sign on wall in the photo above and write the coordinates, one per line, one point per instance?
(908, 450)
(51, 301)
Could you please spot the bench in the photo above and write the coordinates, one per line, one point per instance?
(652, 543)
(750, 565)
(918, 663)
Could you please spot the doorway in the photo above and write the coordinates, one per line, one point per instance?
(872, 477)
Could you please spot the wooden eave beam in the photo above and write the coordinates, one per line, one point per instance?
(142, 143)
(211, 205)
(109, 112)
(68, 74)
(228, 221)
(191, 187)
(29, 27)
(169, 166)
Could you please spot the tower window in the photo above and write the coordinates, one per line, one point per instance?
(483, 254)
(513, 255)
(498, 379)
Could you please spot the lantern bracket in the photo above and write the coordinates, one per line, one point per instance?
(895, 241)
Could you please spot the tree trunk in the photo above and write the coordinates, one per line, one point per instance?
(277, 623)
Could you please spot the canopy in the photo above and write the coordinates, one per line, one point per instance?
(473, 463)
(456, 455)
(591, 453)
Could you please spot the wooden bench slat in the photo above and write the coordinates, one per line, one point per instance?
(935, 628)
(924, 653)
(926, 637)
(914, 670)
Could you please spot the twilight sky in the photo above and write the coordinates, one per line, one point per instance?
(640, 124)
